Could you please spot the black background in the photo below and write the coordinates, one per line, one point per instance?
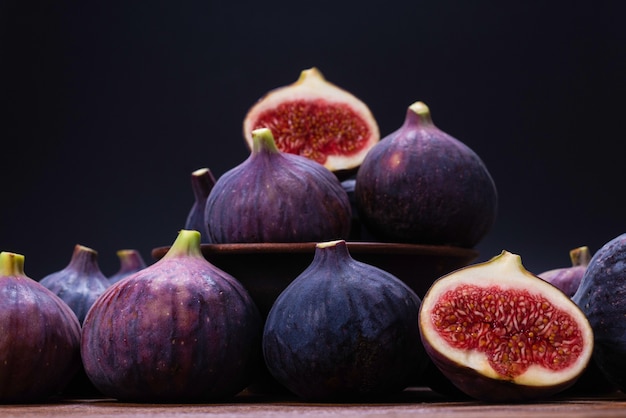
(108, 107)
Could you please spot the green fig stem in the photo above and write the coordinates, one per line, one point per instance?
(418, 114)
(263, 140)
(311, 73)
(11, 264)
(187, 243)
(580, 256)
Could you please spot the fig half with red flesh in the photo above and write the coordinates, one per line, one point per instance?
(502, 334)
(318, 120)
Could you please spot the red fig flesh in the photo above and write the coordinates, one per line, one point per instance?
(501, 334)
(316, 119)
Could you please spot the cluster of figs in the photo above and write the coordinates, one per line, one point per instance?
(183, 330)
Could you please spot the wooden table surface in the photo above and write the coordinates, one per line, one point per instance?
(414, 402)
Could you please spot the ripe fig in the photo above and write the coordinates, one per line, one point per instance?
(275, 196)
(39, 348)
(501, 334)
(131, 262)
(568, 278)
(180, 330)
(318, 120)
(343, 330)
(80, 283)
(602, 297)
(202, 182)
(420, 185)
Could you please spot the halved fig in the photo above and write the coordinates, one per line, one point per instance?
(502, 334)
(316, 119)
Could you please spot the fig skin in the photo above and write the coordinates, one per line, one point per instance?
(568, 278)
(80, 283)
(420, 185)
(40, 345)
(343, 330)
(275, 196)
(470, 365)
(318, 120)
(601, 295)
(131, 262)
(180, 330)
(202, 182)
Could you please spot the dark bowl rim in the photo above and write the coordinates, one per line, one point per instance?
(360, 247)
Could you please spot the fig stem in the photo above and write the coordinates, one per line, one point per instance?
(11, 264)
(263, 140)
(202, 181)
(580, 256)
(187, 243)
(418, 114)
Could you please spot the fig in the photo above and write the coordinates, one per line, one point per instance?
(274, 196)
(568, 278)
(343, 330)
(39, 349)
(318, 120)
(420, 185)
(502, 334)
(202, 182)
(80, 283)
(602, 297)
(180, 330)
(131, 262)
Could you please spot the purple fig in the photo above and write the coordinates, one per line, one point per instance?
(602, 297)
(131, 262)
(568, 278)
(39, 349)
(502, 334)
(343, 330)
(275, 196)
(180, 330)
(80, 283)
(202, 182)
(420, 185)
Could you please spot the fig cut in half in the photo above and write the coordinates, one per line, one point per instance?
(318, 120)
(502, 334)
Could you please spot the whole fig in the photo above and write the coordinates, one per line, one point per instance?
(420, 185)
(568, 278)
(502, 334)
(131, 262)
(602, 297)
(202, 182)
(275, 196)
(39, 348)
(343, 330)
(180, 330)
(80, 283)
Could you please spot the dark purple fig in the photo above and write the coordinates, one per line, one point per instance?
(420, 185)
(568, 278)
(131, 262)
(343, 330)
(39, 348)
(275, 196)
(80, 283)
(202, 182)
(502, 334)
(180, 330)
(602, 297)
